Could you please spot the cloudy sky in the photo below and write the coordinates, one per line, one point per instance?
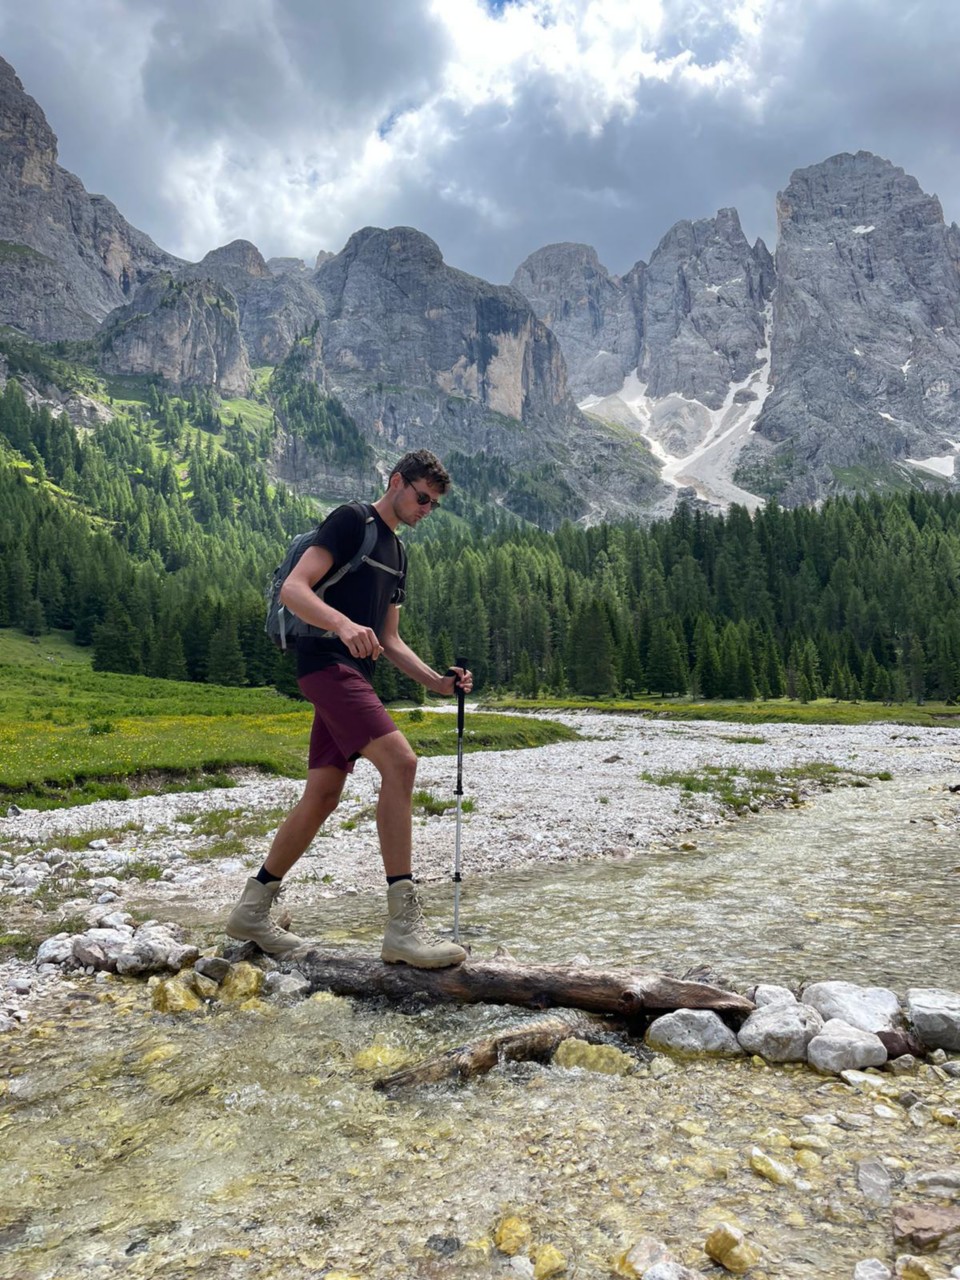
(495, 126)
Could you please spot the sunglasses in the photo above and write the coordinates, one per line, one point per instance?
(423, 499)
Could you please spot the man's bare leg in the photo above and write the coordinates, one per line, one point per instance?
(250, 919)
(407, 939)
(395, 761)
(320, 797)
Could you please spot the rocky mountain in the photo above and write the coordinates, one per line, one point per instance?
(592, 313)
(865, 357)
(188, 331)
(832, 366)
(67, 258)
(277, 303)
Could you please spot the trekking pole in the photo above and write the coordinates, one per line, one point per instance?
(462, 663)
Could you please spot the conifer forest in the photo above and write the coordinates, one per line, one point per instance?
(151, 538)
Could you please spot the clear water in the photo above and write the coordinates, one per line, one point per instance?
(233, 1144)
(861, 884)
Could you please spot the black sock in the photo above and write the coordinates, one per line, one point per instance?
(265, 876)
(394, 879)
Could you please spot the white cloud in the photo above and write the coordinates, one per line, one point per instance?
(293, 123)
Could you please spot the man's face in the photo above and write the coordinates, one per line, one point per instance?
(415, 500)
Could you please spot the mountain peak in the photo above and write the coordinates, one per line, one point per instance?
(238, 254)
(28, 145)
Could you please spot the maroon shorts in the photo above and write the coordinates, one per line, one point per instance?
(347, 716)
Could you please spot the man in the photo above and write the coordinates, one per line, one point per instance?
(360, 615)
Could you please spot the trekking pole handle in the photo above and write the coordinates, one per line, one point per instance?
(461, 697)
(462, 664)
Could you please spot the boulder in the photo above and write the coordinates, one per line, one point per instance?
(768, 993)
(926, 1228)
(693, 1031)
(935, 1014)
(840, 1047)
(869, 1008)
(55, 950)
(781, 1032)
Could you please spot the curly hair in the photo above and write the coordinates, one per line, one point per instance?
(423, 465)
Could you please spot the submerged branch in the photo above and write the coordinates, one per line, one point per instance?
(532, 1042)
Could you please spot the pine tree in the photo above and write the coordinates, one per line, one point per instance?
(225, 664)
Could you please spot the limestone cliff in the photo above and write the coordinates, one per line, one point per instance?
(185, 331)
(866, 333)
(591, 312)
(86, 258)
(276, 306)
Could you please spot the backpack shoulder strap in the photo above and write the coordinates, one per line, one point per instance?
(367, 543)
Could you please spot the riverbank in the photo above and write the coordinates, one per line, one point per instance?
(629, 788)
(248, 1141)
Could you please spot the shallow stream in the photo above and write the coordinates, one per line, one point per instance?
(234, 1144)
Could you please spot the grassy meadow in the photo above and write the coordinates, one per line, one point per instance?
(69, 734)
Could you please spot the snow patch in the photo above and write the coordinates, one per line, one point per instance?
(862, 230)
(939, 466)
(708, 467)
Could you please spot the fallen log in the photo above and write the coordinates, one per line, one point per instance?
(530, 1042)
(626, 992)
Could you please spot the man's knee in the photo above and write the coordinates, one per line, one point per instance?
(322, 792)
(395, 759)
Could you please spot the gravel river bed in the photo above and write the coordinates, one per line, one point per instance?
(248, 1141)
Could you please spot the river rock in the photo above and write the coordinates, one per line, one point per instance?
(174, 996)
(941, 1181)
(840, 1047)
(868, 1008)
(872, 1269)
(935, 1014)
(874, 1182)
(213, 967)
(909, 1267)
(671, 1271)
(605, 1058)
(548, 1262)
(926, 1228)
(294, 985)
(243, 982)
(780, 1032)
(644, 1254)
(693, 1031)
(728, 1245)
(773, 1170)
(512, 1235)
(768, 993)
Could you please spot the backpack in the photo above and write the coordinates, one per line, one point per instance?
(281, 622)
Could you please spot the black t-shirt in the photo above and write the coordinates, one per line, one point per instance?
(363, 596)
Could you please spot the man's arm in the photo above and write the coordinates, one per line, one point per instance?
(405, 660)
(298, 596)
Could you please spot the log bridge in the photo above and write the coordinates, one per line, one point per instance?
(619, 1000)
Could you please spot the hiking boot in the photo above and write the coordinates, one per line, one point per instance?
(249, 921)
(408, 940)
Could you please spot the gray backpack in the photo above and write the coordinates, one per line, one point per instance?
(281, 622)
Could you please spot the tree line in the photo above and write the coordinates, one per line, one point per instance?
(157, 559)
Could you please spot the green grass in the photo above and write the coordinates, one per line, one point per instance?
(772, 711)
(742, 789)
(169, 734)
